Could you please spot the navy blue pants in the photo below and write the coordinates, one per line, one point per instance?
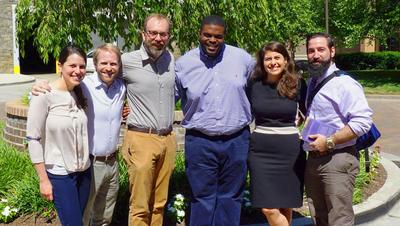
(71, 193)
(216, 170)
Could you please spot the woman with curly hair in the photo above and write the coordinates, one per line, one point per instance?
(276, 162)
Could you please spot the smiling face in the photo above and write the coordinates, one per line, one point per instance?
(107, 66)
(73, 70)
(319, 55)
(274, 64)
(156, 37)
(212, 38)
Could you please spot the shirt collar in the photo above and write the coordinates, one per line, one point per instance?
(146, 58)
(143, 53)
(99, 83)
(328, 72)
(205, 58)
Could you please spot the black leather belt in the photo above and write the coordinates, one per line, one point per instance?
(161, 132)
(113, 156)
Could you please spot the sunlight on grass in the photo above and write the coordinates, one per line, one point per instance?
(379, 81)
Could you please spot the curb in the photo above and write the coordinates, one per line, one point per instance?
(383, 200)
(11, 79)
(375, 206)
(380, 96)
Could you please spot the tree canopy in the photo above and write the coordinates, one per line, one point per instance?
(353, 20)
(53, 24)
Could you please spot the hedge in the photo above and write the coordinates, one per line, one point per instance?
(388, 60)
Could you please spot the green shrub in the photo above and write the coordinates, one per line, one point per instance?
(19, 183)
(364, 177)
(365, 61)
(25, 98)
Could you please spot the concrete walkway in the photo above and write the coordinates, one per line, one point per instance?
(12, 79)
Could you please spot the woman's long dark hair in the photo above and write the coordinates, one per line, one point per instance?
(65, 53)
(287, 84)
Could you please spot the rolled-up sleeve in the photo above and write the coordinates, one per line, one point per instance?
(355, 105)
(35, 128)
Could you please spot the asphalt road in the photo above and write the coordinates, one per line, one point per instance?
(387, 119)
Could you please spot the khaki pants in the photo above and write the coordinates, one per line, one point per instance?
(103, 194)
(150, 160)
(329, 182)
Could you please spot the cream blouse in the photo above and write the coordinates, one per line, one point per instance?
(55, 118)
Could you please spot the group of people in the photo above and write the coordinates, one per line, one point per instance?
(73, 129)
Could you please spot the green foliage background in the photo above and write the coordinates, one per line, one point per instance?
(53, 24)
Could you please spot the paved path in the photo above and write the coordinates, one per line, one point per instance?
(13, 92)
(387, 119)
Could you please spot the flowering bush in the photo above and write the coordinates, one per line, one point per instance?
(7, 213)
(246, 199)
(177, 208)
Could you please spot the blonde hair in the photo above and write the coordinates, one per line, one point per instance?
(106, 47)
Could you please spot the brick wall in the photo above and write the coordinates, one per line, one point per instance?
(6, 42)
(15, 129)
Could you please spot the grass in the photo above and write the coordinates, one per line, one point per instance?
(18, 181)
(379, 81)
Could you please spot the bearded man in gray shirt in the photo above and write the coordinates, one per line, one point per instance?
(149, 145)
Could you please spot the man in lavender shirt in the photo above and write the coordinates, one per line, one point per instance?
(211, 80)
(333, 163)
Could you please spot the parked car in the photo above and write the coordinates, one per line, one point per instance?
(301, 66)
(89, 64)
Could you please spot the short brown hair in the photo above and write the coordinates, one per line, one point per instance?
(106, 47)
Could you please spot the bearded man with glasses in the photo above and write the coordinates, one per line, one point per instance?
(150, 145)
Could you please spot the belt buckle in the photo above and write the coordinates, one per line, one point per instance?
(161, 132)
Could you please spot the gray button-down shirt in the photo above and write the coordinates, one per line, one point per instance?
(150, 89)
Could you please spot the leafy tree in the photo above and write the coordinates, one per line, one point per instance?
(250, 23)
(353, 20)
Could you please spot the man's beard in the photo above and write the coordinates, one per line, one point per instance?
(153, 52)
(318, 69)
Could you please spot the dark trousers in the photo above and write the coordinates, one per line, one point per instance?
(330, 181)
(71, 193)
(216, 170)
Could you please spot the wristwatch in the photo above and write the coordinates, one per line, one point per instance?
(330, 144)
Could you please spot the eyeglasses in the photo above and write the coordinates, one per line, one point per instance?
(154, 34)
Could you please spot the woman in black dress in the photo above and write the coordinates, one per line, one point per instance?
(276, 162)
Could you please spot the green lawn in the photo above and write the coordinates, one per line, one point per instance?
(379, 81)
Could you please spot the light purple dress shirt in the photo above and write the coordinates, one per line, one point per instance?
(341, 102)
(104, 113)
(212, 90)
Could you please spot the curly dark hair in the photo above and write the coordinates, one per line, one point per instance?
(287, 85)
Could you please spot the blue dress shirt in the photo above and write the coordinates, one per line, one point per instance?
(212, 90)
(104, 113)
